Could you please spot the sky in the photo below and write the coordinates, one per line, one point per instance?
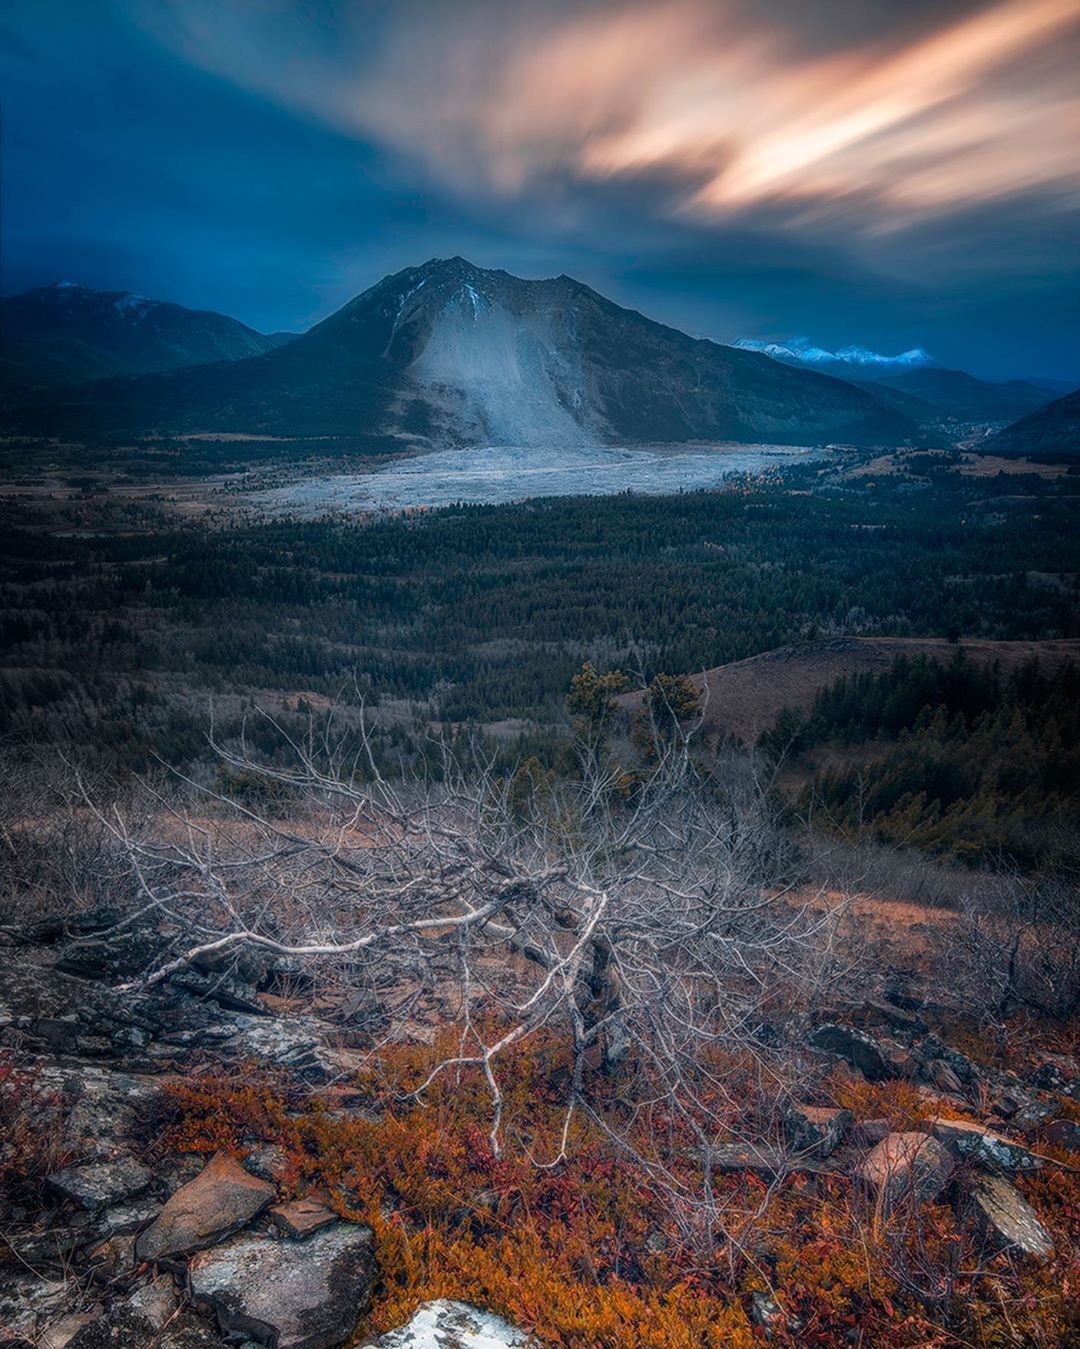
(853, 171)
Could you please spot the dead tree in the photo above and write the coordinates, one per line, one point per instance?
(638, 921)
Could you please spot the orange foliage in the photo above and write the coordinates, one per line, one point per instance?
(591, 1253)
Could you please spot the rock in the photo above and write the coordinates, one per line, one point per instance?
(300, 1217)
(816, 1128)
(155, 1301)
(221, 1199)
(943, 1077)
(1004, 1218)
(60, 1333)
(976, 1143)
(906, 1164)
(297, 1044)
(269, 1163)
(124, 1328)
(868, 1132)
(746, 1157)
(28, 1301)
(935, 1048)
(100, 1185)
(767, 1313)
(1060, 1073)
(453, 1325)
(1062, 1133)
(290, 1294)
(1032, 1115)
(224, 989)
(862, 1051)
(889, 1014)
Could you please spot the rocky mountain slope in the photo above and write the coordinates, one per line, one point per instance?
(448, 353)
(68, 334)
(1052, 430)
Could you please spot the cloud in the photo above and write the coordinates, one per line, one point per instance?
(719, 110)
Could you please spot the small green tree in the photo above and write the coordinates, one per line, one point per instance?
(591, 703)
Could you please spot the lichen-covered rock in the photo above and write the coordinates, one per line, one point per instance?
(1060, 1073)
(816, 1128)
(290, 1294)
(453, 1325)
(221, 1199)
(906, 1165)
(976, 1143)
(862, 1051)
(99, 1185)
(1004, 1218)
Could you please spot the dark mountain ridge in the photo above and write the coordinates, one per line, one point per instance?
(449, 353)
(66, 334)
(1052, 432)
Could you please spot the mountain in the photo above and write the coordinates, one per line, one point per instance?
(939, 393)
(1051, 432)
(449, 353)
(68, 334)
(960, 395)
(847, 362)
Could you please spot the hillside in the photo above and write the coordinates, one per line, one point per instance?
(448, 353)
(745, 697)
(66, 334)
(1053, 430)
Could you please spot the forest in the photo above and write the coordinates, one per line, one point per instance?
(119, 623)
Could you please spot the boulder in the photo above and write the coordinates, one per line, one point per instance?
(906, 1165)
(1003, 1217)
(221, 1199)
(816, 1128)
(99, 1185)
(289, 1294)
(976, 1143)
(862, 1051)
(453, 1325)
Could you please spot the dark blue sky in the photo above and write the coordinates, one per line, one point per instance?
(750, 168)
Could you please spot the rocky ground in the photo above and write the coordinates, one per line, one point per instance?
(126, 1245)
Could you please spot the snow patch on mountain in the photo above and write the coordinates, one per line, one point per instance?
(801, 351)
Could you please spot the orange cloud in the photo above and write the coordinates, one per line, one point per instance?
(722, 107)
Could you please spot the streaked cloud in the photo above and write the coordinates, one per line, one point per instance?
(727, 111)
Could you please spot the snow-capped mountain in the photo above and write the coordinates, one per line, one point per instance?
(452, 354)
(849, 360)
(67, 333)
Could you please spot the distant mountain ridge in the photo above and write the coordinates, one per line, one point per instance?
(847, 361)
(914, 383)
(64, 334)
(449, 353)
